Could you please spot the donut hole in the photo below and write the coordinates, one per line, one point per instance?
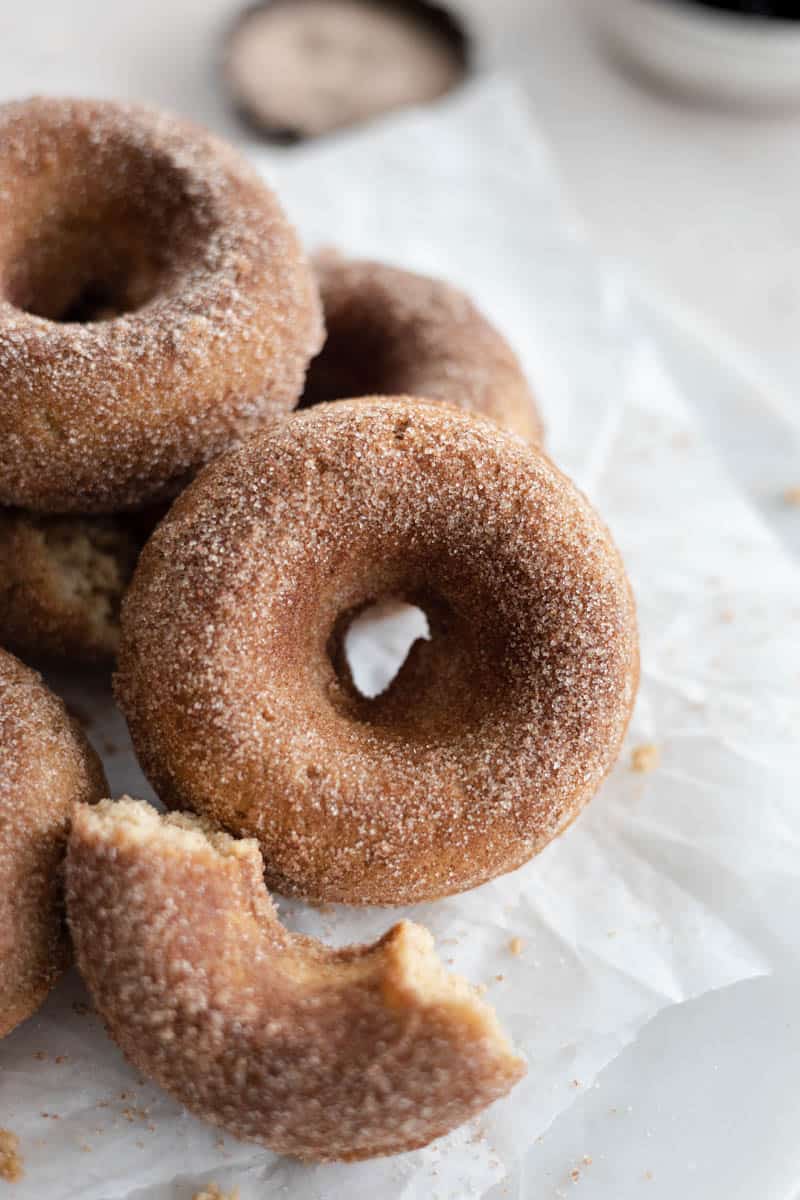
(423, 664)
(99, 241)
(81, 300)
(378, 640)
(360, 357)
(77, 273)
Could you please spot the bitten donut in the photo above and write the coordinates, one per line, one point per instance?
(155, 304)
(46, 765)
(62, 579)
(319, 1053)
(392, 333)
(494, 733)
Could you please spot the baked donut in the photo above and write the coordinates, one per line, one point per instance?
(155, 305)
(319, 1053)
(62, 579)
(46, 765)
(494, 733)
(393, 333)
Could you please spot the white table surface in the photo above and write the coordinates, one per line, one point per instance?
(704, 205)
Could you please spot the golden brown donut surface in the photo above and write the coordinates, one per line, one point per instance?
(494, 733)
(46, 766)
(155, 304)
(319, 1053)
(62, 579)
(392, 332)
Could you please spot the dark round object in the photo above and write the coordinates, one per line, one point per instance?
(298, 69)
(780, 10)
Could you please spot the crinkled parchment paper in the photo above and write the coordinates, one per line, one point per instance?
(674, 881)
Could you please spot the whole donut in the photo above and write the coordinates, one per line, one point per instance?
(492, 736)
(391, 332)
(62, 579)
(46, 766)
(155, 305)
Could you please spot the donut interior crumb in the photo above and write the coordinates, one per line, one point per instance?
(11, 1161)
(212, 1191)
(93, 563)
(516, 946)
(62, 579)
(134, 822)
(645, 758)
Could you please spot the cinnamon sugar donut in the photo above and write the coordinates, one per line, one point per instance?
(492, 736)
(46, 765)
(393, 333)
(62, 579)
(155, 305)
(319, 1053)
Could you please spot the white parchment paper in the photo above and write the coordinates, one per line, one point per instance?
(673, 882)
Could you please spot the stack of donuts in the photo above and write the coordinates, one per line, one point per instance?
(215, 455)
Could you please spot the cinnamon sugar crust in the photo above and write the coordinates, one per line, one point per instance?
(46, 765)
(319, 1053)
(495, 732)
(392, 332)
(155, 304)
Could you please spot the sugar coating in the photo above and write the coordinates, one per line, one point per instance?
(392, 332)
(320, 1053)
(46, 766)
(204, 309)
(388, 330)
(495, 732)
(62, 579)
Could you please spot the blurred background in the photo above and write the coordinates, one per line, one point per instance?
(693, 187)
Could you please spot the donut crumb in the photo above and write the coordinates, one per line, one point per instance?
(11, 1160)
(645, 758)
(516, 946)
(212, 1191)
(792, 496)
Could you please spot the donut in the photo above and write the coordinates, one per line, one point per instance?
(392, 333)
(494, 733)
(62, 579)
(46, 766)
(155, 305)
(318, 1053)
